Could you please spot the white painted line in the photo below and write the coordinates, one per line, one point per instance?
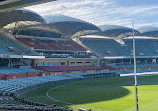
(144, 73)
(47, 94)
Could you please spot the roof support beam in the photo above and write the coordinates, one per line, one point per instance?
(6, 5)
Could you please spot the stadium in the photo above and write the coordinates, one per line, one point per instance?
(64, 63)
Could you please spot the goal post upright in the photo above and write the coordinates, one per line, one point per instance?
(135, 76)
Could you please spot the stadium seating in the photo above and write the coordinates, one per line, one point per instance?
(109, 47)
(11, 73)
(129, 68)
(13, 85)
(8, 70)
(7, 46)
(52, 44)
(141, 46)
(9, 101)
(106, 47)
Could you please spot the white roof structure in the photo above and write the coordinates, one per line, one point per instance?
(61, 18)
(111, 27)
(148, 29)
(6, 5)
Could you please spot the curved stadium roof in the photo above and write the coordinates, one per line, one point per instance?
(115, 31)
(149, 31)
(61, 18)
(69, 26)
(19, 15)
(39, 30)
(63, 25)
(111, 27)
(6, 5)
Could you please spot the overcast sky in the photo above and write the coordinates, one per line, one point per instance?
(102, 12)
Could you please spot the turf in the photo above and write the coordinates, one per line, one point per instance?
(104, 94)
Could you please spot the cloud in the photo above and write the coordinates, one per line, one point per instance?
(100, 12)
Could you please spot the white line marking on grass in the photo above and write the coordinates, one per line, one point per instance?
(144, 73)
(47, 94)
(67, 103)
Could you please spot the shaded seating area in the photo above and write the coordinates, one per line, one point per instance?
(106, 47)
(8, 46)
(110, 47)
(8, 101)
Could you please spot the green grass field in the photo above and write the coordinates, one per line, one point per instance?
(104, 94)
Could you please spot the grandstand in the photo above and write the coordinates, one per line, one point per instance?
(53, 39)
(106, 47)
(8, 46)
(110, 47)
(11, 102)
(9, 87)
(37, 51)
(51, 44)
(116, 53)
(35, 39)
